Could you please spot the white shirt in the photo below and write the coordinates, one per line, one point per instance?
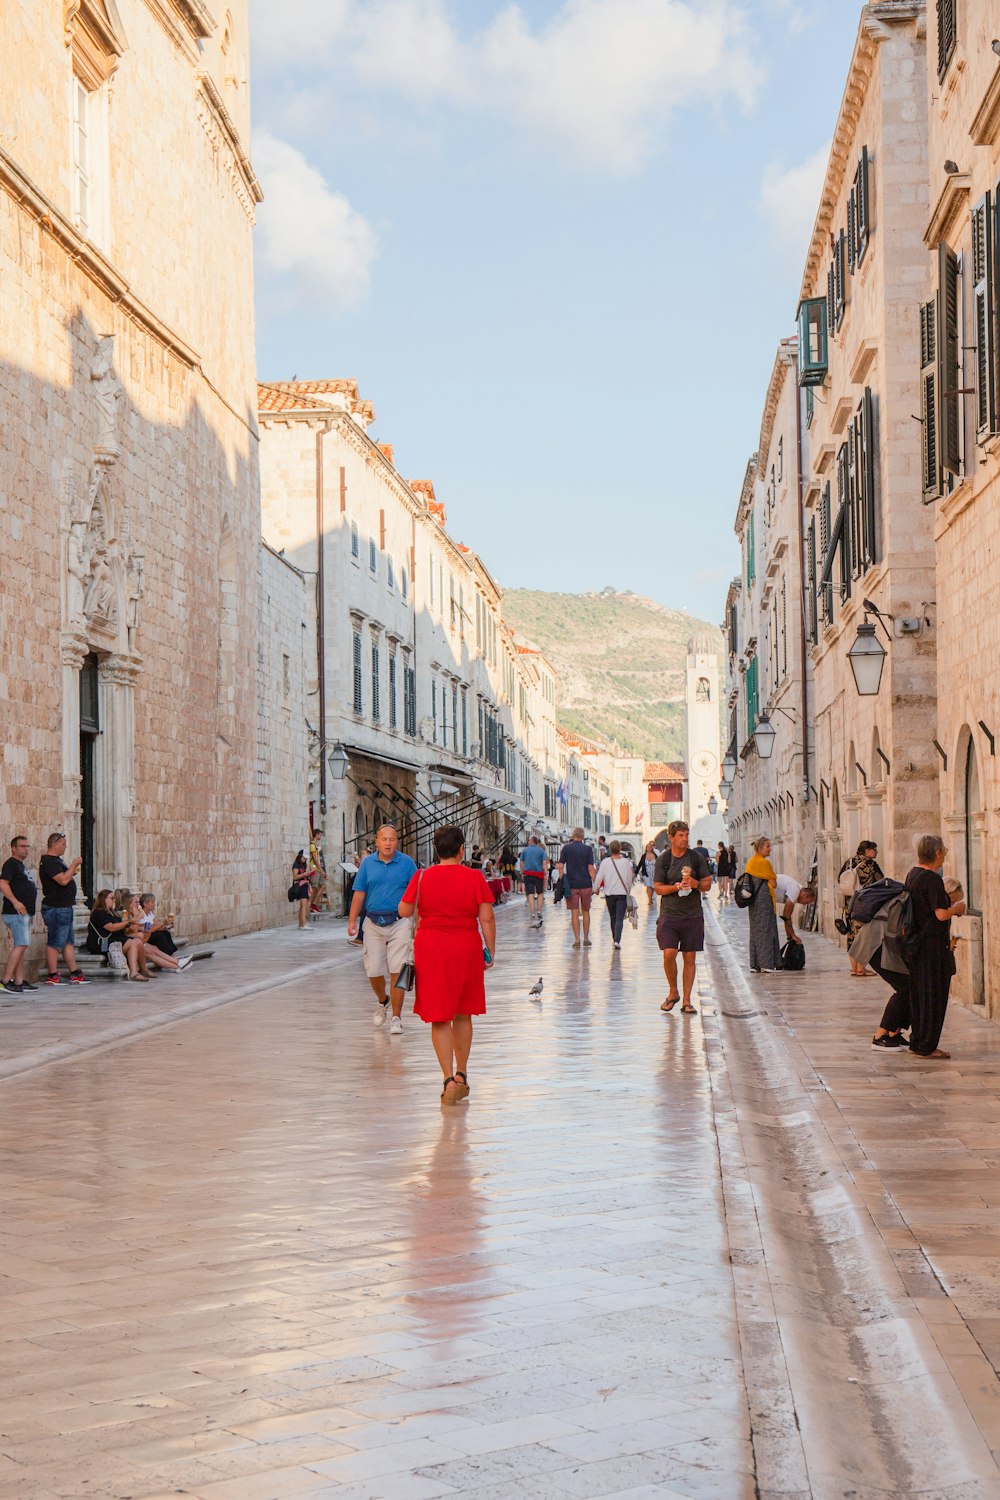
(615, 874)
(788, 889)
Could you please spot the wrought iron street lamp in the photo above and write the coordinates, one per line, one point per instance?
(338, 762)
(764, 737)
(729, 770)
(713, 806)
(435, 782)
(867, 658)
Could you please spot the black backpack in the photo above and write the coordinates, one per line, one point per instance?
(793, 956)
(745, 889)
(869, 900)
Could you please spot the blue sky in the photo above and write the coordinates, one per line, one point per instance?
(556, 243)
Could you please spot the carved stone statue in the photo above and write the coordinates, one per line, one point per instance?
(100, 605)
(135, 586)
(78, 557)
(109, 395)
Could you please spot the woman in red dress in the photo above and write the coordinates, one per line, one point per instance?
(455, 918)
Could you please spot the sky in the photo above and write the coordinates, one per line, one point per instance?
(556, 243)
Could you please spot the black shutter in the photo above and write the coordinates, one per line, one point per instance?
(931, 477)
(825, 585)
(852, 243)
(358, 684)
(984, 312)
(840, 277)
(862, 199)
(831, 302)
(812, 620)
(946, 34)
(848, 541)
(948, 402)
(865, 463)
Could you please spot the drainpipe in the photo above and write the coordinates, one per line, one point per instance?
(802, 593)
(321, 610)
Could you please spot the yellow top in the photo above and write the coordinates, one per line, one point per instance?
(762, 869)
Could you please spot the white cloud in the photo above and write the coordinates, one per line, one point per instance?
(306, 232)
(789, 199)
(600, 78)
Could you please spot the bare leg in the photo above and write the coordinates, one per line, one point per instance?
(574, 916)
(378, 985)
(586, 927)
(398, 996)
(304, 912)
(52, 959)
(69, 956)
(443, 1041)
(461, 1036)
(690, 960)
(15, 966)
(670, 969)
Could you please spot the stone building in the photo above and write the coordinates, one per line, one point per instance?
(702, 721)
(129, 510)
(958, 346)
(869, 547)
(414, 680)
(765, 629)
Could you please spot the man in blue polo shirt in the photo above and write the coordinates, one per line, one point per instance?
(378, 887)
(533, 868)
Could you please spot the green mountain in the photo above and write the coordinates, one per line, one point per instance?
(620, 661)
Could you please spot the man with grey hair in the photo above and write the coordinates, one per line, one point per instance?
(577, 868)
(378, 887)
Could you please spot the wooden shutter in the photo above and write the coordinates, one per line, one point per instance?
(852, 244)
(845, 520)
(831, 302)
(825, 586)
(948, 397)
(840, 276)
(812, 618)
(946, 33)
(862, 201)
(865, 470)
(984, 312)
(358, 684)
(931, 476)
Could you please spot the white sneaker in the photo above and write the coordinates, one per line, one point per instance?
(182, 963)
(616, 945)
(395, 1027)
(381, 1011)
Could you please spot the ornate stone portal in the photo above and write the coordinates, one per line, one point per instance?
(102, 587)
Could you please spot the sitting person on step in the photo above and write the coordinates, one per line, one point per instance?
(106, 926)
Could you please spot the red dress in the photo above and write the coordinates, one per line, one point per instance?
(448, 947)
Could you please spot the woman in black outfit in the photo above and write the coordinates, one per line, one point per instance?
(106, 927)
(723, 872)
(932, 964)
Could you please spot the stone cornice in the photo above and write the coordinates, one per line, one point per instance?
(746, 494)
(948, 209)
(876, 25)
(114, 286)
(220, 118)
(785, 359)
(986, 121)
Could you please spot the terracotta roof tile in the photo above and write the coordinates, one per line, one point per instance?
(312, 395)
(662, 770)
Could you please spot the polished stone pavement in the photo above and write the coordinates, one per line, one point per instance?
(250, 1255)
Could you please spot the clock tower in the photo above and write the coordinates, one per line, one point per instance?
(704, 739)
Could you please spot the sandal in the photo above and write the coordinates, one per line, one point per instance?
(461, 1089)
(688, 1010)
(670, 1002)
(446, 1097)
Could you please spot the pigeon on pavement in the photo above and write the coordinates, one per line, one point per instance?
(536, 990)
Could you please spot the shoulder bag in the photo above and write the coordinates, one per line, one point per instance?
(407, 976)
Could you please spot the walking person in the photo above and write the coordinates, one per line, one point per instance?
(855, 873)
(454, 943)
(300, 891)
(508, 866)
(647, 869)
(615, 876)
(765, 950)
(20, 894)
(929, 957)
(58, 901)
(680, 880)
(534, 867)
(724, 872)
(379, 887)
(577, 868)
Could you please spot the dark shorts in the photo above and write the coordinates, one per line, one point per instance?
(687, 934)
(579, 900)
(534, 885)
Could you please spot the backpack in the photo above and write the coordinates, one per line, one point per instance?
(793, 956)
(902, 929)
(870, 899)
(848, 882)
(745, 889)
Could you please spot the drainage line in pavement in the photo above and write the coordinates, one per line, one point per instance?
(847, 1390)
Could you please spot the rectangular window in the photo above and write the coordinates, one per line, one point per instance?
(813, 323)
(852, 225)
(83, 150)
(862, 206)
(479, 623)
(355, 540)
(812, 621)
(454, 716)
(376, 684)
(372, 555)
(840, 279)
(392, 690)
(434, 707)
(984, 313)
(359, 703)
(825, 585)
(862, 477)
(947, 32)
(390, 572)
(810, 405)
(430, 570)
(753, 696)
(409, 699)
(781, 459)
(465, 724)
(751, 550)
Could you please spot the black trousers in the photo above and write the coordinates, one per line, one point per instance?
(896, 1016)
(616, 915)
(930, 981)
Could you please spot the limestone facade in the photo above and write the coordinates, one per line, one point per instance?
(866, 766)
(129, 510)
(701, 700)
(411, 667)
(962, 482)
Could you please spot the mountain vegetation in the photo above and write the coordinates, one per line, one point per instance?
(620, 663)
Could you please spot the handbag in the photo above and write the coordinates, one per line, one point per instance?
(116, 958)
(407, 976)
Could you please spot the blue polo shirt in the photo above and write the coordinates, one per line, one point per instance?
(384, 883)
(533, 860)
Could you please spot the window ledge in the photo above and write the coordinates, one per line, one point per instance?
(863, 361)
(948, 209)
(824, 457)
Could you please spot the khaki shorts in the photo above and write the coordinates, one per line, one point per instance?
(386, 949)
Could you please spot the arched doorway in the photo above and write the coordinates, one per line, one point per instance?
(972, 804)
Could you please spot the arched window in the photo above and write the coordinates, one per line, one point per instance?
(973, 842)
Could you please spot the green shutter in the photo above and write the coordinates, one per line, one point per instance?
(948, 403)
(931, 475)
